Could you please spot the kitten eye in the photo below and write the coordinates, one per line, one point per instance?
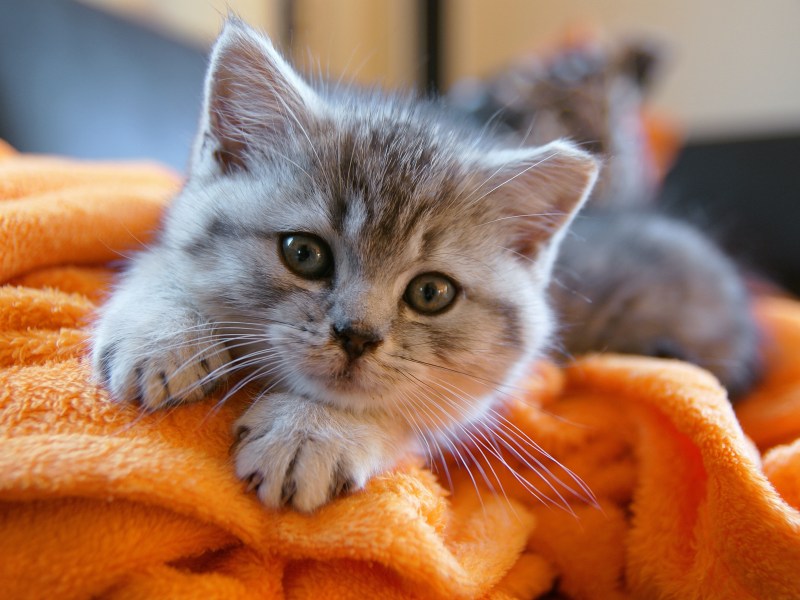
(306, 255)
(430, 293)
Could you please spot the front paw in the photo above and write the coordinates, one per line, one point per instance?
(160, 368)
(298, 453)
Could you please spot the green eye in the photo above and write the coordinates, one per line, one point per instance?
(306, 255)
(430, 293)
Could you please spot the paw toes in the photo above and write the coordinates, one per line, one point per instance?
(241, 432)
(157, 368)
(168, 399)
(341, 483)
(298, 466)
(288, 490)
(239, 435)
(153, 387)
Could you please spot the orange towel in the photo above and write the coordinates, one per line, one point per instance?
(99, 501)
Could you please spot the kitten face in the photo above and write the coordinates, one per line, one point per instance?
(433, 248)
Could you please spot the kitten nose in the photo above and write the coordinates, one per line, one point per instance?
(356, 341)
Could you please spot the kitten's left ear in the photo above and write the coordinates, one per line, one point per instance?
(536, 192)
(253, 101)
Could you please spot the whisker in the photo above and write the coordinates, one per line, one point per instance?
(520, 216)
(451, 445)
(496, 385)
(466, 432)
(523, 438)
(495, 452)
(424, 435)
(498, 427)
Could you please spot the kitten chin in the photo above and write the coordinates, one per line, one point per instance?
(373, 269)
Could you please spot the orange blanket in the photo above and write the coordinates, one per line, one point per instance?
(99, 501)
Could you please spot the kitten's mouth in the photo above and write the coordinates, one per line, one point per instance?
(352, 376)
(347, 377)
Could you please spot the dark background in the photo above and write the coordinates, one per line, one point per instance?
(111, 89)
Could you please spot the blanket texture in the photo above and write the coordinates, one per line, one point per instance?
(97, 500)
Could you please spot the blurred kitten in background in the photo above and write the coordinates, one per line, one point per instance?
(586, 93)
(643, 283)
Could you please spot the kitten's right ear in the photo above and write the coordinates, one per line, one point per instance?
(535, 193)
(253, 101)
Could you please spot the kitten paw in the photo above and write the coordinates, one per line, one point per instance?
(298, 453)
(161, 371)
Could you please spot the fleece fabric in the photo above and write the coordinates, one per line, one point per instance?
(100, 501)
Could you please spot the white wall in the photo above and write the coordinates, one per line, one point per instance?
(369, 41)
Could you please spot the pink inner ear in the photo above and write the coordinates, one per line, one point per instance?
(537, 191)
(254, 98)
(231, 149)
(530, 237)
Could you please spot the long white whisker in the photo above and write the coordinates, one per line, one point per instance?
(424, 435)
(444, 433)
(494, 451)
(523, 438)
(445, 430)
(497, 426)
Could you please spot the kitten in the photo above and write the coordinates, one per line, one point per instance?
(377, 268)
(643, 283)
(587, 93)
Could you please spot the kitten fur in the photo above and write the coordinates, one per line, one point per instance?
(351, 375)
(644, 283)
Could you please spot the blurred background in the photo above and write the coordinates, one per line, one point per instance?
(123, 79)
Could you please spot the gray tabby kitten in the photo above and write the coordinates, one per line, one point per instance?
(380, 271)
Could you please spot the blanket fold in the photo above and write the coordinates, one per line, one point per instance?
(98, 500)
